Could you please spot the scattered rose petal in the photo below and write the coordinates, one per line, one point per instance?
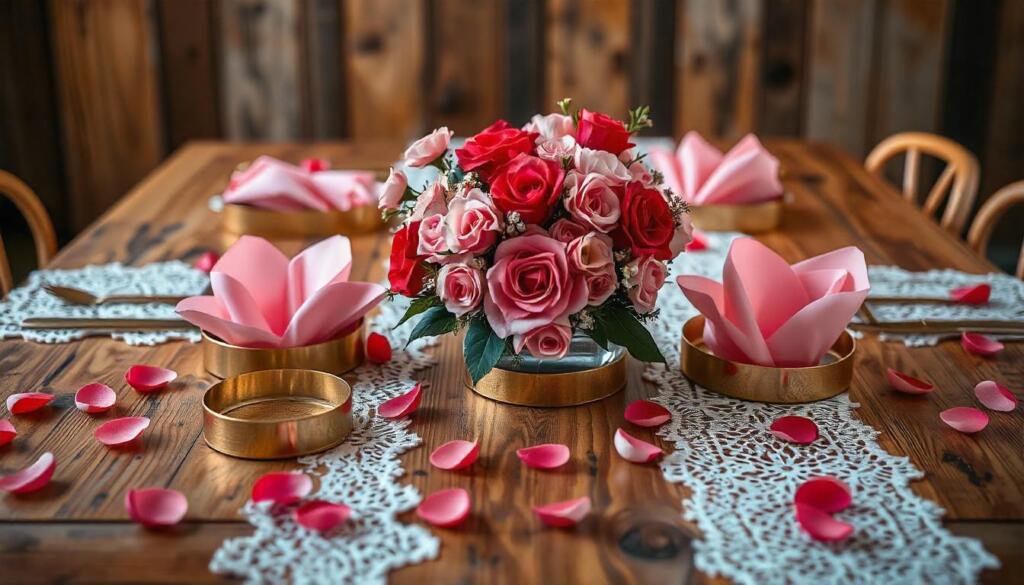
(95, 397)
(563, 514)
(455, 454)
(282, 487)
(445, 508)
(321, 516)
(645, 413)
(121, 430)
(977, 294)
(315, 165)
(155, 507)
(403, 405)
(7, 432)
(979, 344)
(965, 419)
(698, 243)
(825, 493)
(635, 450)
(795, 429)
(27, 401)
(32, 478)
(992, 394)
(149, 378)
(906, 383)
(206, 261)
(820, 525)
(378, 348)
(546, 456)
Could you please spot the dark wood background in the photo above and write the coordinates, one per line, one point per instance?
(95, 93)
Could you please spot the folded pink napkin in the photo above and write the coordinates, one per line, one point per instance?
(260, 299)
(702, 175)
(274, 184)
(769, 313)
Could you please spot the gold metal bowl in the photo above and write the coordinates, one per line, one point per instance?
(761, 383)
(549, 390)
(247, 219)
(336, 356)
(275, 414)
(750, 219)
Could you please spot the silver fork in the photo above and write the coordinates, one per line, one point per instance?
(77, 296)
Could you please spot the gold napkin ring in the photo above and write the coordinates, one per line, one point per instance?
(747, 218)
(556, 389)
(248, 219)
(335, 356)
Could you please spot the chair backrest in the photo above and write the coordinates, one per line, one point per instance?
(38, 222)
(989, 215)
(959, 179)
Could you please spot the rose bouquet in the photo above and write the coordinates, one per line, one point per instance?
(529, 235)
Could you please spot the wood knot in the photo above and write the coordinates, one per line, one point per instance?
(653, 540)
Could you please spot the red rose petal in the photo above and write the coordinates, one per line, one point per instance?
(979, 344)
(206, 261)
(826, 493)
(546, 456)
(121, 430)
(7, 432)
(698, 243)
(155, 507)
(445, 508)
(977, 294)
(633, 449)
(32, 478)
(95, 397)
(964, 419)
(282, 487)
(28, 401)
(563, 514)
(149, 378)
(315, 165)
(820, 525)
(907, 384)
(645, 413)
(402, 405)
(992, 394)
(321, 516)
(455, 455)
(378, 348)
(795, 429)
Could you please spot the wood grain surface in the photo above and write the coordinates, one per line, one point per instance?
(76, 529)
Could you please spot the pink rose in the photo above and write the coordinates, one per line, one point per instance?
(641, 173)
(551, 126)
(591, 256)
(643, 277)
(432, 242)
(472, 224)
(430, 202)
(557, 149)
(593, 200)
(461, 287)
(429, 148)
(546, 341)
(682, 236)
(566, 230)
(603, 163)
(531, 285)
(393, 191)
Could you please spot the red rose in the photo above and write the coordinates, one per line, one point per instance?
(529, 185)
(600, 132)
(647, 225)
(497, 144)
(406, 272)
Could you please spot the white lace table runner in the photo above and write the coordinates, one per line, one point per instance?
(743, 480)
(160, 278)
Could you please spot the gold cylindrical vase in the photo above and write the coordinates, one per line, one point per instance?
(247, 219)
(554, 389)
(336, 356)
(751, 219)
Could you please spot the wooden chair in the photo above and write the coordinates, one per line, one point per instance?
(959, 179)
(38, 222)
(989, 215)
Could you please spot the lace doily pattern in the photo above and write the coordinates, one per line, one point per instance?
(160, 278)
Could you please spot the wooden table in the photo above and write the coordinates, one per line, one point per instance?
(76, 529)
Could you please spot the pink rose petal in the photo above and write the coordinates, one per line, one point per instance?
(455, 455)
(964, 419)
(820, 525)
(7, 432)
(206, 261)
(826, 493)
(32, 478)
(795, 429)
(445, 508)
(378, 349)
(977, 294)
(155, 507)
(906, 383)
(24, 402)
(402, 405)
(645, 413)
(633, 449)
(120, 431)
(546, 456)
(95, 397)
(698, 243)
(979, 344)
(563, 514)
(992, 394)
(282, 487)
(321, 516)
(149, 378)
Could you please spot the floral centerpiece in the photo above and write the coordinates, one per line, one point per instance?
(529, 235)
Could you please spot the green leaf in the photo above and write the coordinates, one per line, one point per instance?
(599, 335)
(482, 348)
(417, 306)
(624, 329)
(435, 321)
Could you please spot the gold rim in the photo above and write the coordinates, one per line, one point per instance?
(758, 217)
(336, 356)
(552, 390)
(246, 219)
